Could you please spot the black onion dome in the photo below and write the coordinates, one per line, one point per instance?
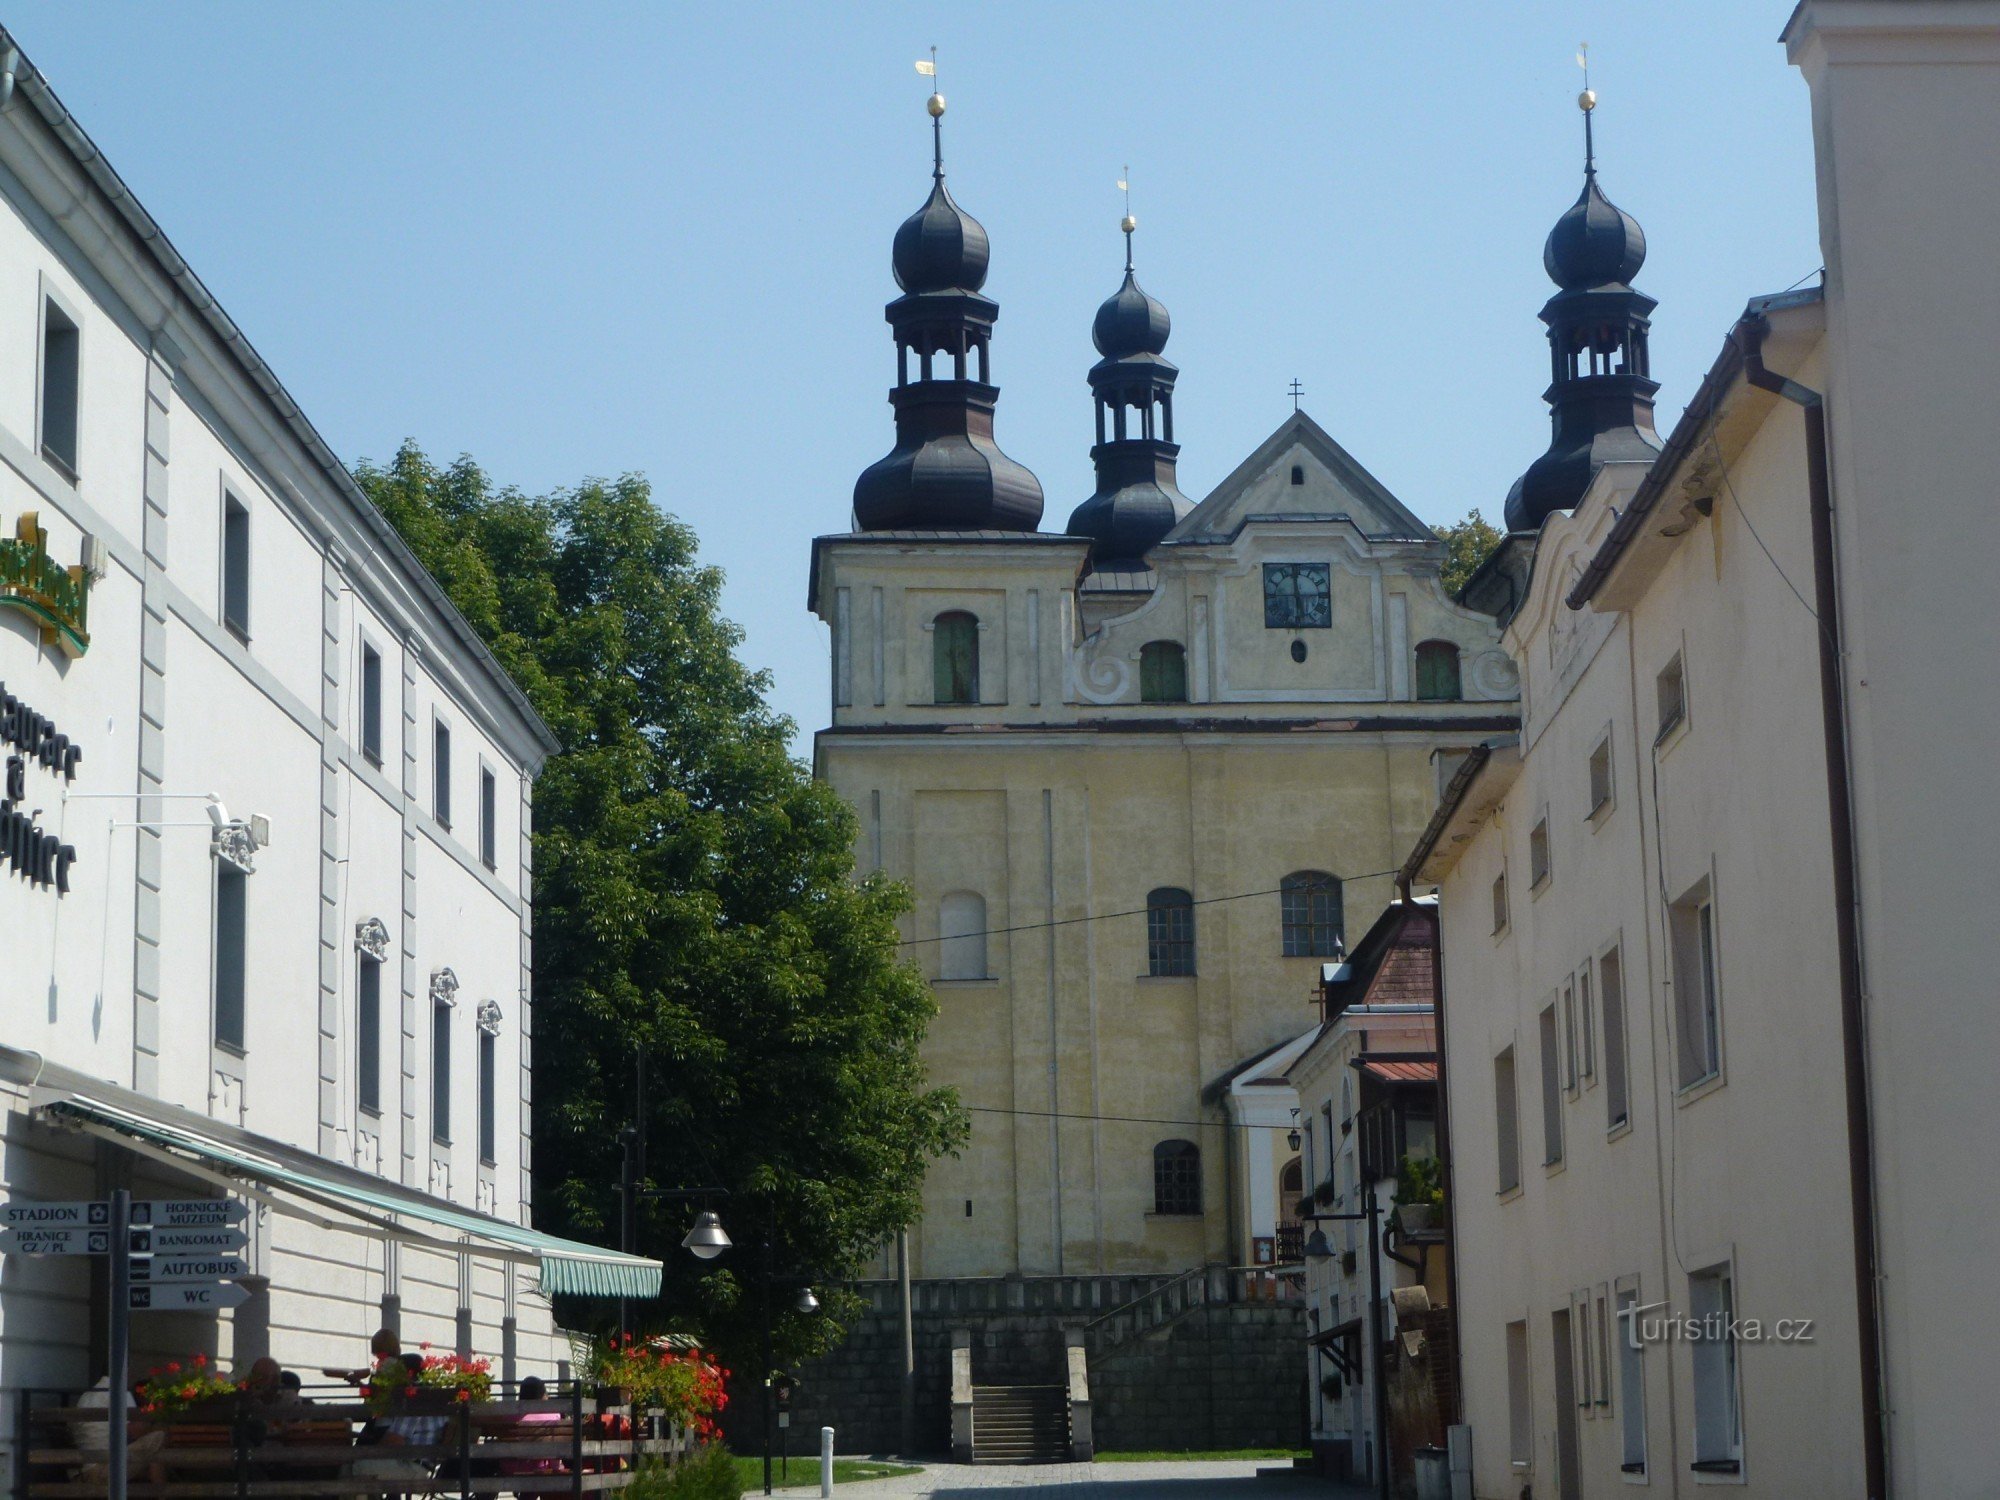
(1130, 322)
(941, 247)
(1594, 243)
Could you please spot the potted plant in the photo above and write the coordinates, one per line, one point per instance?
(1326, 1192)
(445, 1382)
(188, 1390)
(1419, 1195)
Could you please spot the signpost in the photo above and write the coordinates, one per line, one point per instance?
(173, 1255)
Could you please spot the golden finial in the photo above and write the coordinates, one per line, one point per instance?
(1587, 100)
(1128, 223)
(927, 68)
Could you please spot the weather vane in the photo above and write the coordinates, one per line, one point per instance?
(1297, 391)
(1128, 223)
(927, 68)
(1586, 101)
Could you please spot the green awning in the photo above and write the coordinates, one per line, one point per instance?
(567, 1266)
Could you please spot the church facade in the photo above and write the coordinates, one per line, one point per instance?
(1141, 774)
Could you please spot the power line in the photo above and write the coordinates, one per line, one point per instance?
(1138, 911)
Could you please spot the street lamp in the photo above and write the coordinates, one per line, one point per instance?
(1317, 1248)
(707, 1239)
(807, 1303)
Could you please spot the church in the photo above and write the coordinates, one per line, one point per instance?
(1143, 772)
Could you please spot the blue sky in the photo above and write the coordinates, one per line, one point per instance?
(587, 239)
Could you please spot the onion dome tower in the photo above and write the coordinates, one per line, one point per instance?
(945, 472)
(1601, 398)
(1138, 499)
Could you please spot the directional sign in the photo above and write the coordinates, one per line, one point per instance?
(188, 1212)
(216, 1241)
(55, 1215)
(188, 1296)
(159, 1268)
(25, 1240)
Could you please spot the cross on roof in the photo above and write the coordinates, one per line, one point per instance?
(1297, 391)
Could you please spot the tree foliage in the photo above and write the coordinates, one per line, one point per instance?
(694, 899)
(1467, 544)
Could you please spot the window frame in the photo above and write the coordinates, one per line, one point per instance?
(1177, 1184)
(943, 692)
(1541, 855)
(1631, 1379)
(1502, 905)
(1154, 659)
(441, 770)
(51, 300)
(1305, 938)
(1695, 947)
(1520, 1396)
(368, 1035)
(948, 955)
(371, 703)
(488, 1080)
(1170, 953)
(489, 816)
(233, 570)
(1433, 651)
(1604, 799)
(1670, 724)
(1572, 1063)
(1507, 1120)
(1292, 571)
(441, 1060)
(229, 992)
(1710, 1360)
(1617, 1074)
(1551, 1081)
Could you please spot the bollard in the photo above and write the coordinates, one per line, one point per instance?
(826, 1463)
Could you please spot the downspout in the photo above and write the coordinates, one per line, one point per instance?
(1444, 1153)
(1750, 336)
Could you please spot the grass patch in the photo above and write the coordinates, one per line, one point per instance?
(1161, 1456)
(804, 1470)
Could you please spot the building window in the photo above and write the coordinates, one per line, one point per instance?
(236, 566)
(1177, 1178)
(489, 813)
(1297, 596)
(1500, 902)
(441, 1073)
(1600, 777)
(441, 772)
(962, 936)
(1298, 473)
(1309, 906)
(1697, 1003)
(371, 704)
(1572, 1066)
(489, 1075)
(1671, 688)
(368, 1035)
(1506, 1120)
(1718, 1422)
(1631, 1387)
(1437, 672)
(1169, 932)
(232, 898)
(1603, 1397)
(1538, 853)
(1162, 672)
(1611, 996)
(62, 359)
(1520, 1409)
(1552, 1119)
(1586, 1023)
(955, 658)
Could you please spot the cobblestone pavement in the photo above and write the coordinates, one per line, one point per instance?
(1230, 1480)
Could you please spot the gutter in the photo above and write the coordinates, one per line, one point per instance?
(1447, 808)
(1748, 338)
(34, 87)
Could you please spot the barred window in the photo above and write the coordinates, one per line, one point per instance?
(1310, 902)
(1177, 1178)
(1169, 932)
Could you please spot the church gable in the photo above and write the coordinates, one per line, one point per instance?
(1300, 473)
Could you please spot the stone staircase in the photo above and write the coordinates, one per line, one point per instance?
(1020, 1424)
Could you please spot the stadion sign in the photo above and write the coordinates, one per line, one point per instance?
(58, 597)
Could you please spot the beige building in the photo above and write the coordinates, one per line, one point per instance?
(1713, 1056)
(1134, 773)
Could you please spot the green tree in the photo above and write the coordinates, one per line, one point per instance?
(1467, 544)
(694, 898)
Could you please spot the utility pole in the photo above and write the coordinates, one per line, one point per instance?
(119, 1375)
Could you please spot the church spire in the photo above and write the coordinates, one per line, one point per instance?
(945, 472)
(1601, 393)
(1138, 499)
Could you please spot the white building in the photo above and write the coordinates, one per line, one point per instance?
(265, 913)
(1714, 1046)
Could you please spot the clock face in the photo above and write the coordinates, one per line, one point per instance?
(1298, 596)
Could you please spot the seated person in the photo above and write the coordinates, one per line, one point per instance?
(406, 1430)
(533, 1389)
(92, 1439)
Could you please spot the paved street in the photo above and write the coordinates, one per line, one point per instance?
(1148, 1481)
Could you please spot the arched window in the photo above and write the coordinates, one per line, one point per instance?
(1310, 905)
(1162, 672)
(1298, 473)
(962, 936)
(1177, 1178)
(1437, 672)
(955, 658)
(1169, 931)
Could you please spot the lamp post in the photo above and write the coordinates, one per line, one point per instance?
(805, 1303)
(1318, 1249)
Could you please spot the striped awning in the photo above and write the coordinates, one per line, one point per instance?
(300, 1183)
